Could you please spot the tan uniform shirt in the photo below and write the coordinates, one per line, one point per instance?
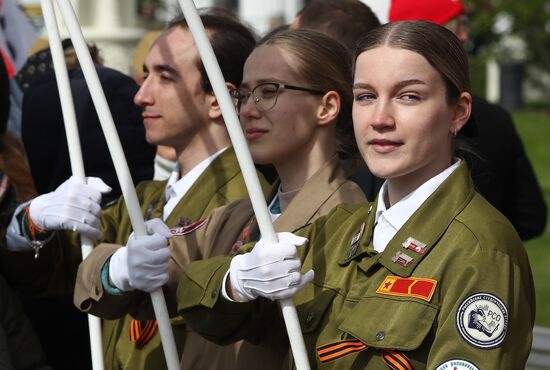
(219, 184)
(453, 289)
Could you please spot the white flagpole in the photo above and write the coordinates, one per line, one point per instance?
(121, 168)
(247, 166)
(75, 153)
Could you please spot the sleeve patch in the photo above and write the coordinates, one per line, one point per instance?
(482, 320)
(457, 365)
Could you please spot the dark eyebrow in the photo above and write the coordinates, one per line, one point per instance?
(165, 68)
(398, 86)
(406, 83)
(263, 80)
(361, 85)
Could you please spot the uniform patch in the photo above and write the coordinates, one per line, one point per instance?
(408, 287)
(183, 230)
(334, 351)
(402, 259)
(457, 365)
(482, 320)
(355, 241)
(414, 245)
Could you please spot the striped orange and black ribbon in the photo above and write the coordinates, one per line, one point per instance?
(396, 360)
(334, 351)
(142, 332)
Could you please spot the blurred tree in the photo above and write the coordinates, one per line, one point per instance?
(528, 20)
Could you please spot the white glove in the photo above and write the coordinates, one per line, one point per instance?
(143, 263)
(72, 206)
(269, 270)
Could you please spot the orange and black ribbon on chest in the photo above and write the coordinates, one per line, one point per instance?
(142, 332)
(334, 351)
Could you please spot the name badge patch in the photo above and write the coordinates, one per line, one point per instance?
(402, 259)
(457, 365)
(183, 230)
(482, 320)
(408, 287)
(414, 245)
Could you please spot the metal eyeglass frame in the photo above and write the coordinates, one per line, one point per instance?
(242, 96)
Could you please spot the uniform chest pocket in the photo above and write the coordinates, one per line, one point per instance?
(312, 312)
(389, 322)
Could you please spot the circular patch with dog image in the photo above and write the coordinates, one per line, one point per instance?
(482, 320)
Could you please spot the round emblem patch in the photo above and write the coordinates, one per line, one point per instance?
(482, 320)
(457, 365)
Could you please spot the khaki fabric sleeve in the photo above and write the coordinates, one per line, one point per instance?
(204, 309)
(215, 233)
(487, 314)
(88, 287)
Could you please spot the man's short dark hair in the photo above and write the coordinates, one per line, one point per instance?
(344, 20)
(231, 41)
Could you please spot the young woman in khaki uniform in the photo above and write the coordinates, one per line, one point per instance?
(295, 108)
(429, 276)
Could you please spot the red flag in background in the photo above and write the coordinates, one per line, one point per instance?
(17, 35)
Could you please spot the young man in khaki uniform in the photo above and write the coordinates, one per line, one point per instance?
(179, 110)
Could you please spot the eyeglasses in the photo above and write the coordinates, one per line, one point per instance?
(265, 94)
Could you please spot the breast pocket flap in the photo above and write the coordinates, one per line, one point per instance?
(391, 322)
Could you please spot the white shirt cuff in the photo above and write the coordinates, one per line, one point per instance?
(224, 292)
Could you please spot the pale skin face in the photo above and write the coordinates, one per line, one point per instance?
(177, 112)
(297, 134)
(403, 124)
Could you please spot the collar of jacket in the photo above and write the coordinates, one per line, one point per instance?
(222, 170)
(426, 225)
(304, 206)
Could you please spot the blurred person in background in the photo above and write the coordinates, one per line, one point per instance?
(43, 133)
(19, 346)
(498, 163)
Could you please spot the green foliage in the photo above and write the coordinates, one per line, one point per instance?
(534, 129)
(531, 23)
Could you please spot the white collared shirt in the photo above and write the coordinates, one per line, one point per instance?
(389, 221)
(177, 187)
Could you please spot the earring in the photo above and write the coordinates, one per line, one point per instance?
(455, 132)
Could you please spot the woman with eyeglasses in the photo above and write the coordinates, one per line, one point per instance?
(428, 276)
(295, 109)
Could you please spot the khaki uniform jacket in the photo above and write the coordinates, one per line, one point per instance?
(223, 230)
(461, 296)
(319, 195)
(219, 184)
